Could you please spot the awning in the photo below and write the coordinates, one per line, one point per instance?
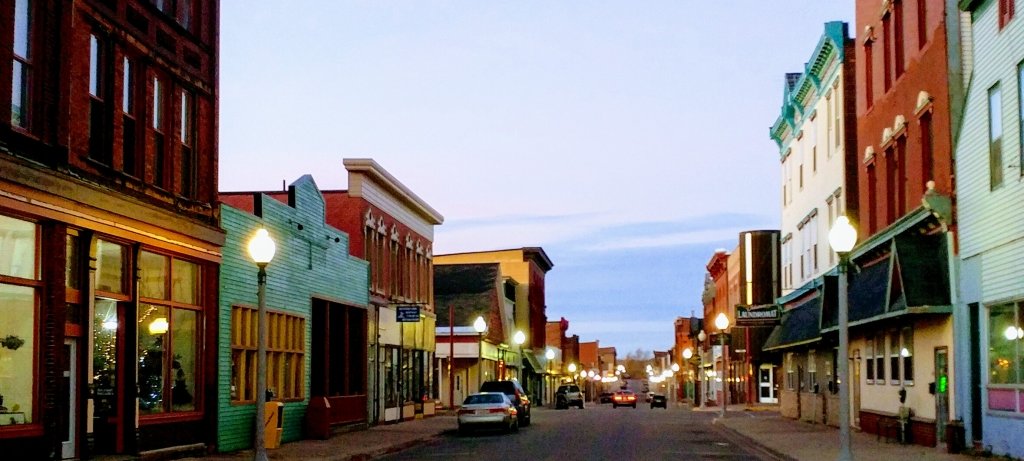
(531, 362)
(923, 262)
(800, 325)
(867, 290)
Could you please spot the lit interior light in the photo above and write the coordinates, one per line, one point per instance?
(110, 325)
(158, 326)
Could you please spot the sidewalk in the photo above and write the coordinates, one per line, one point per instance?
(356, 445)
(796, 440)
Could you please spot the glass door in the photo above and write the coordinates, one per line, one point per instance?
(766, 384)
(105, 354)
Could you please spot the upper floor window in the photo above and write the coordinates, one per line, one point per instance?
(1020, 114)
(897, 39)
(922, 23)
(869, 76)
(837, 132)
(995, 137)
(159, 142)
(129, 125)
(99, 128)
(1006, 10)
(21, 77)
(189, 175)
(886, 52)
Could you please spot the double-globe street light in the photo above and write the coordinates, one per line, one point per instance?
(722, 323)
(261, 250)
(841, 238)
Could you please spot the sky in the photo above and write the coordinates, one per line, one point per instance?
(628, 139)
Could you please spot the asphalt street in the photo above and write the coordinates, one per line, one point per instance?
(597, 432)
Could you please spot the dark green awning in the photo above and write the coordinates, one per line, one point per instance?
(800, 325)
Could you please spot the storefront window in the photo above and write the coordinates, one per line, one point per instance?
(17, 352)
(1006, 333)
(168, 335)
(18, 297)
(153, 270)
(185, 285)
(17, 248)
(110, 266)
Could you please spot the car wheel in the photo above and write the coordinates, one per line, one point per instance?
(615, 406)
(463, 431)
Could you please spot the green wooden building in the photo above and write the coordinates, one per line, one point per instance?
(316, 299)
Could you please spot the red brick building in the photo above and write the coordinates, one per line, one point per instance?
(108, 193)
(910, 91)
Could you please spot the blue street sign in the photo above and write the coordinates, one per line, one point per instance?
(408, 313)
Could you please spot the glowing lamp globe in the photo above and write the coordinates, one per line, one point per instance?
(262, 247)
(721, 322)
(519, 338)
(480, 325)
(843, 235)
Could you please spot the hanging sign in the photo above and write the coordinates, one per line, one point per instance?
(760, 315)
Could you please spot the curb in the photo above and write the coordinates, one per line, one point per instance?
(754, 444)
(392, 449)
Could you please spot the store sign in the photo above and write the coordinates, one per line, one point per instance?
(762, 315)
(408, 313)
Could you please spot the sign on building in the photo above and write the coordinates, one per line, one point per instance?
(408, 313)
(759, 315)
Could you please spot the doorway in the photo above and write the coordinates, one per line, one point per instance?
(941, 392)
(69, 387)
(107, 429)
(766, 384)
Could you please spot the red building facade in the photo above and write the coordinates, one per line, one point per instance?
(108, 195)
(910, 94)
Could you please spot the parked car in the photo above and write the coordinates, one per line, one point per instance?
(515, 393)
(624, 398)
(605, 397)
(658, 400)
(568, 395)
(488, 410)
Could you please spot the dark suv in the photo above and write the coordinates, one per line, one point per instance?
(568, 395)
(515, 393)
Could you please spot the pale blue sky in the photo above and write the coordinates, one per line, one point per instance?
(628, 139)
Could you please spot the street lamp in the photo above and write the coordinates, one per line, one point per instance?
(701, 337)
(841, 238)
(480, 325)
(519, 338)
(549, 380)
(261, 250)
(722, 322)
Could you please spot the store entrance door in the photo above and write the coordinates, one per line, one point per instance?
(107, 420)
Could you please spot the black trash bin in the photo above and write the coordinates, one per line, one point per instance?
(955, 436)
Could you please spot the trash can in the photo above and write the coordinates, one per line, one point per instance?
(273, 424)
(955, 436)
(318, 418)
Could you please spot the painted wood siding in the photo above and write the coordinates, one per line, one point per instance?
(308, 263)
(991, 224)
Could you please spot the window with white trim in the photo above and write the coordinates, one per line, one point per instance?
(790, 371)
(812, 370)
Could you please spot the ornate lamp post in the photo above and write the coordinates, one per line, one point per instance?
(722, 323)
(701, 337)
(842, 237)
(261, 250)
(549, 380)
(480, 325)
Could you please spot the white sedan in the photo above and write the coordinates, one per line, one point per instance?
(488, 409)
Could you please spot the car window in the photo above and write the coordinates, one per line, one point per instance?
(484, 398)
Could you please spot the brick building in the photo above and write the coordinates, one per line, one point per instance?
(910, 89)
(109, 176)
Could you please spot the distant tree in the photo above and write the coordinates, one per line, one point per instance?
(636, 362)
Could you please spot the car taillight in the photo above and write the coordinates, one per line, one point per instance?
(512, 411)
